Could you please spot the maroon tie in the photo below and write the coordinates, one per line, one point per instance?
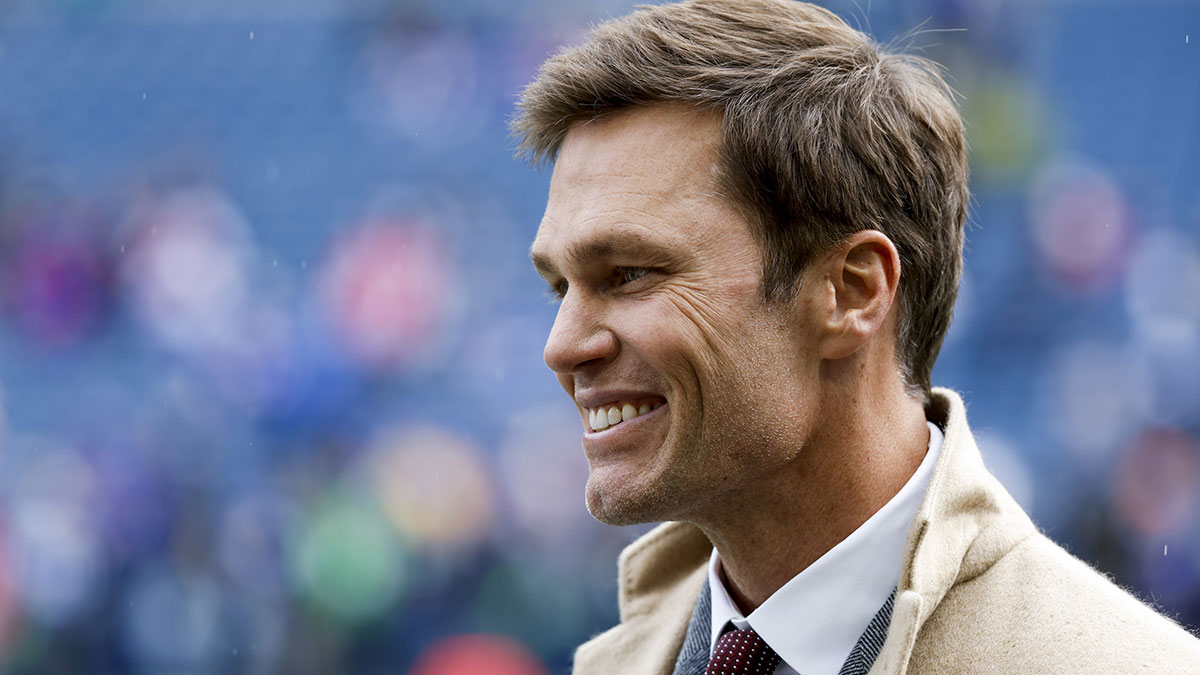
(742, 652)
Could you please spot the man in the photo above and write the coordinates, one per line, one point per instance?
(755, 229)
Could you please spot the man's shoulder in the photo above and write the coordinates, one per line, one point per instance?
(1040, 609)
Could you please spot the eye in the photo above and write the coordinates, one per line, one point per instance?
(557, 291)
(627, 275)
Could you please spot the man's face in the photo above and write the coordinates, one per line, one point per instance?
(689, 387)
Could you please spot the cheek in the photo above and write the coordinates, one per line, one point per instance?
(726, 324)
(689, 336)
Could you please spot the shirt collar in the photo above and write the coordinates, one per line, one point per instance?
(815, 619)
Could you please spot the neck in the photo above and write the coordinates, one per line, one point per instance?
(870, 444)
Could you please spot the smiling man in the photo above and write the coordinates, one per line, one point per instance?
(755, 229)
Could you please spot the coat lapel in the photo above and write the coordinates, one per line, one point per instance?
(966, 523)
(693, 656)
(870, 642)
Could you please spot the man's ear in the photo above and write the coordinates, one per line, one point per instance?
(861, 277)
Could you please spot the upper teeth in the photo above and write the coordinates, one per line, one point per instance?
(606, 416)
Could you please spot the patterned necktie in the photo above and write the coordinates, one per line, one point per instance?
(742, 652)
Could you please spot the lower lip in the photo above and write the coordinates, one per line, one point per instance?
(627, 427)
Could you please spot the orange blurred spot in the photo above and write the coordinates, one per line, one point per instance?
(434, 486)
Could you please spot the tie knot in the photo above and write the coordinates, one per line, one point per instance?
(742, 652)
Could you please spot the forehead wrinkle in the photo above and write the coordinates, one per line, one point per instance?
(685, 142)
(661, 186)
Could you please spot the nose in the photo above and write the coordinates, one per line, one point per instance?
(579, 338)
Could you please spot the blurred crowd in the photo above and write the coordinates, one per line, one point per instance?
(270, 344)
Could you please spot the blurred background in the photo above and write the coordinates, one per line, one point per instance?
(270, 344)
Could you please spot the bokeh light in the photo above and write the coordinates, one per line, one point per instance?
(433, 485)
(56, 289)
(1162, 291)
(1162, 297)
(1082, 226)
(479, 655)
(184, 262)
(1005, 115)
(543, 471)
(1096, 394)
(422, 84)
(387, 292)
(253, 544)
(56, 560)
(175, 620)
(1158, 481)
(348, 562)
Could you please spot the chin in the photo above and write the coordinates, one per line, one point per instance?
(621, 503)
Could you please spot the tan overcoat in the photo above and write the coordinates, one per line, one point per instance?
(982, 591)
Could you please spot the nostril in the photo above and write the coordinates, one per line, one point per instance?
(589, 363)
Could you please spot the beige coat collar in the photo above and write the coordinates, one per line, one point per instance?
(966, 522)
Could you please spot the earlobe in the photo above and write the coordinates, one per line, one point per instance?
(864, 274)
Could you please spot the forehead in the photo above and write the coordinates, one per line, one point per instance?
(646, 174)
(675, 146)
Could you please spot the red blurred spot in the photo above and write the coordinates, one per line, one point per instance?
(1082, 225)
(478, 655)
(386, 289)
(1157, 480)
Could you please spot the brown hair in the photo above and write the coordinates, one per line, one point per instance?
(824, 134)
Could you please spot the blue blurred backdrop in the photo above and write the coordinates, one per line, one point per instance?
(270, 344)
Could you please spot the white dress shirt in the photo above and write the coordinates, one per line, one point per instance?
(815, 619)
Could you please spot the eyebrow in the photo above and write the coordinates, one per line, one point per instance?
(542, 264)
(604, 247)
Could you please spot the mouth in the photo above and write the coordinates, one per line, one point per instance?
(616, 413)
